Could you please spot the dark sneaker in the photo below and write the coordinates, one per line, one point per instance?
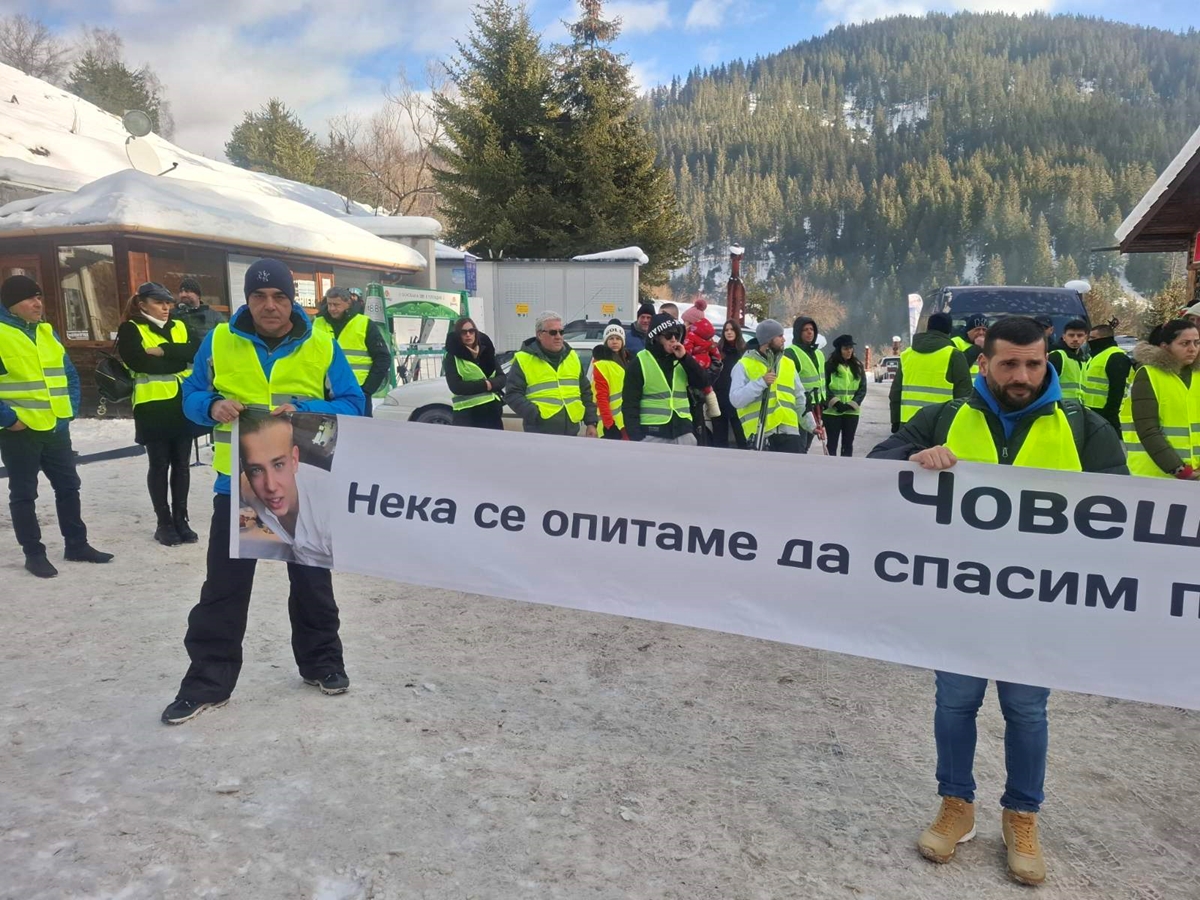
(40, 566)
(185, 710)
(185, 531)
(86, 553)
(167, 536)
(333, 683)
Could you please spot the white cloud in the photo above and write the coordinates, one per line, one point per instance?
(639, 18)
(708, 14)
(839, 11)
(647, 74)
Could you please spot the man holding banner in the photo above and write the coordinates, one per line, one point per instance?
(1015, 416)
(267, 358)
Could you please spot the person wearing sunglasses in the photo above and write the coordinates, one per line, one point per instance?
(656, 404)
(474, 379)
(548, 385)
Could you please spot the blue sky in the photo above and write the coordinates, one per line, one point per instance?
(323, 58)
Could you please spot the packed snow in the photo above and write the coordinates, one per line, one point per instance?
(625, 254)
(137, 201)
(400, 226)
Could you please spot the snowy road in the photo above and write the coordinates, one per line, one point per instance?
(492, 749)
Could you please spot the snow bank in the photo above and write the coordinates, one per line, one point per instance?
(137, 201)
(400, 226)
(625, 254)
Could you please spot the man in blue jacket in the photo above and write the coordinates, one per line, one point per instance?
(39, 395)
(266, 357)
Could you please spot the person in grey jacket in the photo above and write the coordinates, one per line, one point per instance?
(548, 385)
(744, 392)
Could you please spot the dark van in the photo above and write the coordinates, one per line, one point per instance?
(1060, 304)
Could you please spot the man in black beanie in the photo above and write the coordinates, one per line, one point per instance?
(199, 317)
(933, 370)
(39, 395)
(635, 334)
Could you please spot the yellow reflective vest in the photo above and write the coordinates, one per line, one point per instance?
(552, 390)
(1071, 377)
(812, 375)
(238, 375)
(781, 398)
(923, 380)
(34, 382)
(961, 343)
(1095, 378)
(149, 388)
(1178, 416)
(843, 385)
(614, 374)
(1050, 443)
(662, 402)
(353, 341)
(470, 371)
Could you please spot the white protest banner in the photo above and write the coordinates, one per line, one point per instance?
(1084, 582)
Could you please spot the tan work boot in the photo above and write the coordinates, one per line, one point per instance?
(954, 825)
(1025, 861)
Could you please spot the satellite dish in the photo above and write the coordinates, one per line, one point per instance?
(137, 123)
(142, 156)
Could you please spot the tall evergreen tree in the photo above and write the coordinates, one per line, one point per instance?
(112, 86)
(275, 141)
(994, 272)
(501, 171)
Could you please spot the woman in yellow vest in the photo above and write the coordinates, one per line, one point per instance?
(845, 390)
(1160, 419)
(609, 360)
(158, 351)
(474, 379)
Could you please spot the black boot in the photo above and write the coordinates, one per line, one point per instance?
(166, 533)
(183, 529)
(40, 566)
(86, 553)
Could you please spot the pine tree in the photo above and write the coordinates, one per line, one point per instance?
(112, 86)
(994, 271)
(275, 141)
(501, 169)
(1041, 271)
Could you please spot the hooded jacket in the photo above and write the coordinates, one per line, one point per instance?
(1144, 403)
(1099, 449)
(560, 422)
(486, 360)
(958, 371)
(8, 415)
(1117, 369)
(381, 356)
(343, 396)
(699, 344)
(811, 350)
(635, 386)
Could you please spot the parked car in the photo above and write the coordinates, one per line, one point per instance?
(431, 402)
(1061, 304)
(886, 369)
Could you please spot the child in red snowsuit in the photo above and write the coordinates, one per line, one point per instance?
(701, 347)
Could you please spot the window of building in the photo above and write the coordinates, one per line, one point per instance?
(169, 264)
(87, 275)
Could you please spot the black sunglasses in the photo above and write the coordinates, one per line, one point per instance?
(467, 331)
(554, 332)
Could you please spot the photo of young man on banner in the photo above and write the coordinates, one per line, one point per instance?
(284, 463)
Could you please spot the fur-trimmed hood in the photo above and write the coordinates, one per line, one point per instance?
(1145, 354)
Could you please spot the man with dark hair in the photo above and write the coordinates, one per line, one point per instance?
(931, 371)
(1106, 375)
(810, 364)
(1014, 416)
(635, 334)
(199, 317)
(1067, 358)
(360, 339)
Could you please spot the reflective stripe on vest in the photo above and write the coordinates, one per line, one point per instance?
(236, 374)
(812, 375)
(1178, 417)
(660, 402)
(843, 385)
(923, 380)
(469, 371)
(781, 400)
(1095, 378)
(34, 382)
(553, 390)
(614, 374)
(353, 341)
(148, 388)
(1049, 444)
(1071, 377)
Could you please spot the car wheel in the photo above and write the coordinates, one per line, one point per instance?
(435, 415)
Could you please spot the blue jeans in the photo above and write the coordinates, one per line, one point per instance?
(1026, 738)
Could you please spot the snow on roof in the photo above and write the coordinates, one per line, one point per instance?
(135, 201)
(400, 226)
(625, 254)
(54, 141)
(446, 252)
(1165, 180)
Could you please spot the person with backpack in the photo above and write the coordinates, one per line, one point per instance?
(1015, 416)
(158, 348)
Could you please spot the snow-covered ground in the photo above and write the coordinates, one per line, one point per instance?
(491, 749)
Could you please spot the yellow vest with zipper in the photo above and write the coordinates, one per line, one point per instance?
(149, 388)
(843, 385)
(1071, 378)
(781, 398)
(1095, 378)
(1050, 444)
(1178, 416)
(35, 381)
(353, 341)
(553, 390)
(614, 374)
(470, 371)
(662, 402)
(924, 381)
(238, 375)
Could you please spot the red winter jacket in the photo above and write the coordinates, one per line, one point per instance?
(699, 343)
